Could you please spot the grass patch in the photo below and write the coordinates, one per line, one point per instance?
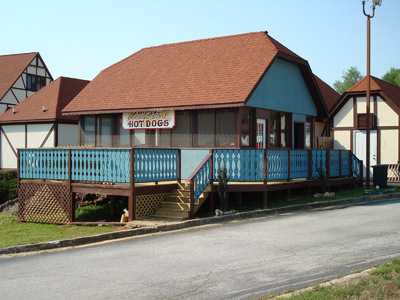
(382, 283)
(13, 233)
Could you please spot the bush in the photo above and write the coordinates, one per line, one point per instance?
(8, 189)
(110, 210)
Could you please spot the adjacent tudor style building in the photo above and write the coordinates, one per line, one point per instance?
(20, 76)
(349, 121)
(37, 122)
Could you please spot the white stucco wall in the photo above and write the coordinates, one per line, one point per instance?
(344, 117)
(389, 146)
(37, 133)
(386, 115)
(341, 139)
(16, 135)
(68, 135)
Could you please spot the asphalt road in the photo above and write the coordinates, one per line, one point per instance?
(242, 259)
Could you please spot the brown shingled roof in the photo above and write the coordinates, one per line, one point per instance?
(11, 67)
(390, 92)
(218, 71)
(47, 103)
(329, 95)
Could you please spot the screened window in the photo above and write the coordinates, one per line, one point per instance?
(105, 131)
(123, 135)
(88, 131)
(274, 119)
(164, 138)
(205, 128)
(225, 128)
(139, 137)
(283, 130)
(181, 134)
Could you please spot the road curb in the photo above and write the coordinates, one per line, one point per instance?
(194, 223)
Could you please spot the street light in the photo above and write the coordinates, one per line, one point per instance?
(374, 4)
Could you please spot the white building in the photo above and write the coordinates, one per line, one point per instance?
(349, 121)
(37, 122)
(21, 75)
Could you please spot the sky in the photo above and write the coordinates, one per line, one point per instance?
(80, 38)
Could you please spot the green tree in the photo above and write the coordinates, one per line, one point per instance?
(392, 76)
(349, 78)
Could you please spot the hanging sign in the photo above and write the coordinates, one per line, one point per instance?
(149, 119)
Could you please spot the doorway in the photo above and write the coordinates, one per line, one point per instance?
(298, 131)
(360, 148)
(261, 139)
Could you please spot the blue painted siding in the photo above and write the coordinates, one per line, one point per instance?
(191, 158)
(283, 89)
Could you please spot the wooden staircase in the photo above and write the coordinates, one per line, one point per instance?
(177, 204)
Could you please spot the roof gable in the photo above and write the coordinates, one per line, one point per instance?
(47, 103)
(219, 71)
(11, 67)
(283, 88)
(390, 92)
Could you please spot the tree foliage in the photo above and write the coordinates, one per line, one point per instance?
(392, 76)
(349, 78)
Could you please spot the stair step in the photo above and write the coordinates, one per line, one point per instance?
(171, 215)
(175, 206)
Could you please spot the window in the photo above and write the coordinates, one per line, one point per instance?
(35, 82)
(88, 131)
(182, 132)
(205, 128)
(139, 137)
(225, 128)
(164, 138)
(105, 131)
(274, 119)
(122, 135)
(283, 130)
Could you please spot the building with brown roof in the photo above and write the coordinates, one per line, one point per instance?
(37, 122)
(349, 121)
(20, 76)
(244, 90)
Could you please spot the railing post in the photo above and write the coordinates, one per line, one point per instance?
(340, 163)
(132, 193)
(310, 164)
(265, 166)
(328, 163)
(69, 183)
(178, 166)
(288, 168)
(212, 166)
(191, 193)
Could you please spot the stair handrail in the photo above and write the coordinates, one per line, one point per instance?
(195, 194)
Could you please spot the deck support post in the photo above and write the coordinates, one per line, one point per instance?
(265, 199)
(288, 166)
(132, 192)
(310, 164)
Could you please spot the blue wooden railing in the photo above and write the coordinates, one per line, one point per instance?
(100, 165)
(156, 165)
(115, 165)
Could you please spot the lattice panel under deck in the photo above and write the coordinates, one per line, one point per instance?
(147, 204)
(45, 203)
